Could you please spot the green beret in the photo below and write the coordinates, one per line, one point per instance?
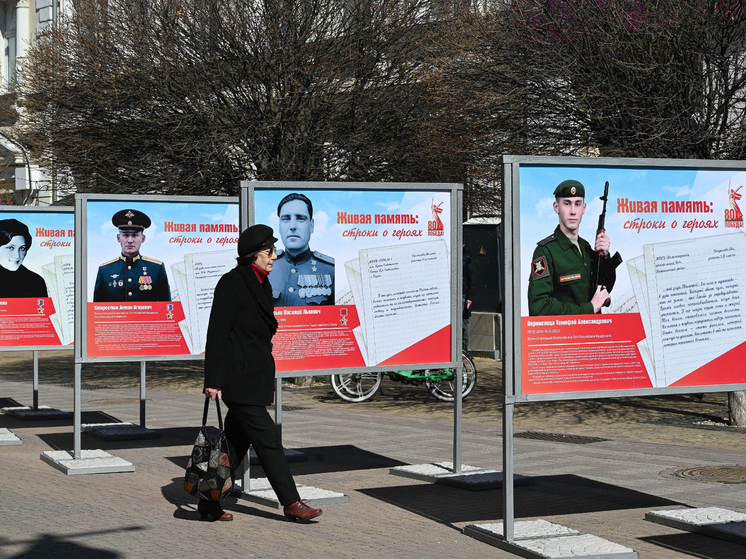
(569, 189)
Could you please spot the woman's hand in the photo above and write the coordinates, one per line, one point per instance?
(213, 392)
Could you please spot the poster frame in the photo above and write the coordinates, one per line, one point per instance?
(247, 216)
(515, 274)
(42, 209)
(81, 269)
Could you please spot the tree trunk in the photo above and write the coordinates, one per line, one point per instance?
(306, 381)
(737, 408)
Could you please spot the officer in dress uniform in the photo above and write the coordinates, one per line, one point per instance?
(563, 267)
(301, 276)
(131, 276)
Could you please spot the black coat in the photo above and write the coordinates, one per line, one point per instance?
(238, 353)
(21, 283)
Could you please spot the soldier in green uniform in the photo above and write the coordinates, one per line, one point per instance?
(300, 276)
(131, 276)
(563, 267)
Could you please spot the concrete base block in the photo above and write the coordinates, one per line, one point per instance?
(260, 492)
(8, 438)
(540, 539)
(470, 477)
(28, 413)
(119, 431)
(90, 462)
(715, 522)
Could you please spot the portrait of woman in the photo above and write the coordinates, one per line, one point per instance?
(16, 280)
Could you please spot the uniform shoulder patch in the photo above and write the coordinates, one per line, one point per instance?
(546, 240)
(323, 257)
(151, 260)
(110, 262)
(539, 267)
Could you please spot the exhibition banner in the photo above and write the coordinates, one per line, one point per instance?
(362, 277)
(677, 311)
(36, 278)
(151, 270)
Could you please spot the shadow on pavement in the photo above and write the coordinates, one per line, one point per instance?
(47, 545)
(66, 441)
(186, 504)
(696, 545)
(550, 496)
(322, 459)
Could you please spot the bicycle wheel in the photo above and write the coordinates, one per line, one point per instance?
(446, 389)
(356, 387)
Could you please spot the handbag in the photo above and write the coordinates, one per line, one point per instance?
(210, 472)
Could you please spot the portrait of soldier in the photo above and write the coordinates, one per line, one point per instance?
(301, 276)
(131, 276)
(564, 266)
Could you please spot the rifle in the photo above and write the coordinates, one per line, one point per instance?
(616, 259)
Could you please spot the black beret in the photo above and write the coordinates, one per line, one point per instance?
(569, 189)
(130, 220)
(254, 238)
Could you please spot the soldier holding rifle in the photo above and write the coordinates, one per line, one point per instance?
(567, 276)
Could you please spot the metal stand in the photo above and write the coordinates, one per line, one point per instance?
(83, 461)
(36, 411)
(125, 431)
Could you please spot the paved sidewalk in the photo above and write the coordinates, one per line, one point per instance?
(602, 488)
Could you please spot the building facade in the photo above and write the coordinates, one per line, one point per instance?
(22, 183)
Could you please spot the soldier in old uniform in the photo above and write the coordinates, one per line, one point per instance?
(131, 276)
(301, 276)
(564, 267)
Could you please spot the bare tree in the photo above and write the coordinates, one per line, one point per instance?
(620, 78)
(192, 96)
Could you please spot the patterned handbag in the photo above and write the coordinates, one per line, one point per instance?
(210, 473)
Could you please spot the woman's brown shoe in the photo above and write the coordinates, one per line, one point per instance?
(211, 510)
(301, 512)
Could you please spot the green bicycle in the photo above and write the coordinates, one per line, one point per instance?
(441, 383)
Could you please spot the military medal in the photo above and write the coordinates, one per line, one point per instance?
(146, 283)
(314, 285)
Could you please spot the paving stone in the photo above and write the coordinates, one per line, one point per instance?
(602, 489)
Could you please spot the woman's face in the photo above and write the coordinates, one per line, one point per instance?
(12, 254)
(265, 258)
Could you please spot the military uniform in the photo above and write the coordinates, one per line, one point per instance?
(142, 279)
(307, 279)
(563, 278)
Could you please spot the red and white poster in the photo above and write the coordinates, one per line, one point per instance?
(152, 267)
(36, 278)
(675, 312)
(362, 278)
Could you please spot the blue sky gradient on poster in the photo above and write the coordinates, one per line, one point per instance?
(329, 236)
(37, 256)
(102, 235)
(538, 219)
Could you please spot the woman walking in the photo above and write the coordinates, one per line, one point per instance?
(240, 369)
